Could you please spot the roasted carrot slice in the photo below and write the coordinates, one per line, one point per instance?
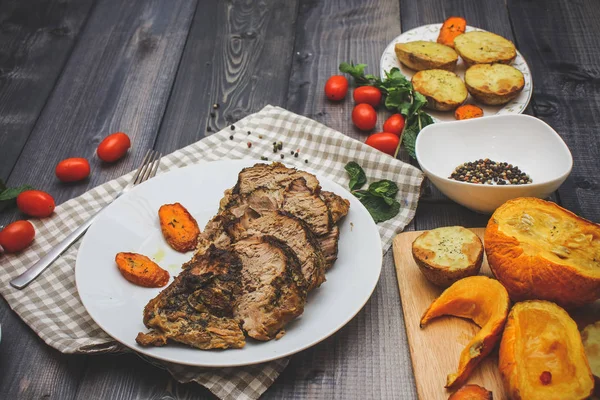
(141, 270)
(451, 28)
(468, 111)
(178, 226)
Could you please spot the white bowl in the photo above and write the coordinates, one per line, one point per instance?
(521, 140)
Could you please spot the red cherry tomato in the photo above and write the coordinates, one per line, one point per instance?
(336, 87)
(113, 147)
(394, 124)
(16, 236)
(384, 141)
(36, 203)
(364, 117)
(72, 169)
(367, 94)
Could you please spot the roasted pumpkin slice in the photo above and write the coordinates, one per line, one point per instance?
(178, 226)
(540, 251)
(542, 356)
(471, 392)
(485, 302)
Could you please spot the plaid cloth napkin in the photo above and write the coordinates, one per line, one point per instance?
(52, 308)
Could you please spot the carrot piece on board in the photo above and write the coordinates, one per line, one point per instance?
(468, 111)
(178, 226)
(141, 270)
(451, 28)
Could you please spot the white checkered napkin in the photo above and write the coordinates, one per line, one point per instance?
(51, 305)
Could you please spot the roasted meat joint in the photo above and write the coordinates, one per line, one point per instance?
(273, 239)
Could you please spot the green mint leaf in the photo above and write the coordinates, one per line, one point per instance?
(419, 101)
(409, 137)
(379, 209)
(425, 119)
(12, 193)
(384, 188)
(357, 175)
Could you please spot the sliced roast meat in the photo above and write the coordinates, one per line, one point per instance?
(308, 206)
(197, 308)
(292, 232)
(338, 206)
(272, 176)
(329, 245)
(213, 234)
(273, 288)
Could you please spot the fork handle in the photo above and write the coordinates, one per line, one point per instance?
(28, 276)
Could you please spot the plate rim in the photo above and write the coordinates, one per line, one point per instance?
(439, 25)
(140, 351)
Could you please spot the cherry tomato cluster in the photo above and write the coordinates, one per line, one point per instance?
(364, 116)
(35, 203)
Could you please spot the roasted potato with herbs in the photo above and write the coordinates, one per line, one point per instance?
(421, 55)
(484, 48)
(445, 255)
(444, 90)
(141, 270)
(494, 84)
(591, 343)
(178, 226)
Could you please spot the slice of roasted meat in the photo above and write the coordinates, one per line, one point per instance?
(273, 288)
(292, 232)
(272, 176)
(338, 206)
(329, 245)
(197, 308)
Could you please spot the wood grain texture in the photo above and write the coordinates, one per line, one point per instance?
(435, 350)
(238, 55)
(33, 49)
(565, 64)
(118, 78)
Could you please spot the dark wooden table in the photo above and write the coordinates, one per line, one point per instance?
(73, 71)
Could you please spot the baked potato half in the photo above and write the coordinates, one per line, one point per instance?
(445, 255)
(421, 55)
(494, 84)
(484, 48)
(444, 90)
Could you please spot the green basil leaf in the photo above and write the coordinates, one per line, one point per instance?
(12, 193)
(384, 188)
(379, 209)
(357, 175)
(409, 138)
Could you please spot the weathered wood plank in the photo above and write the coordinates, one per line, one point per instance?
(118, 78)
(350, 364)
(566, 91)
(238, 55)
(34, 47)
(30, 368)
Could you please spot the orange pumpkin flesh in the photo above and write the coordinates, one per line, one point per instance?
(542, 356)
(539, 250)
(471, 392)
(485, 302)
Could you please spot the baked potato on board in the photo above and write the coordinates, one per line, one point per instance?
(430, 33)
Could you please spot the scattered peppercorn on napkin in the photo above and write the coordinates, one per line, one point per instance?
(52, 308)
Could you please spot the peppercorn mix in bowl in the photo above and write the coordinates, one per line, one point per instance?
(482, 163)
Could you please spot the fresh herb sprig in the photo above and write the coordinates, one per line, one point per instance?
(8, 195)
(379, 199)
(399, 97)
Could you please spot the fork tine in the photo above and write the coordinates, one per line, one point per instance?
(146, 174)
(137, 174)
(144, 168)
(155, 168)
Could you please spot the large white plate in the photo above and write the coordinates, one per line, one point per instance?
(131, 224)
(430, 33)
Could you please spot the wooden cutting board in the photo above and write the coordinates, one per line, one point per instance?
(435, 350)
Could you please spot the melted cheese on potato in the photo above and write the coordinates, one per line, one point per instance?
(499, 79)
(484, 47)
(450, 246)
(443, 86)
(554, 235)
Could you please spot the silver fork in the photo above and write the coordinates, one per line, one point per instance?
(146, 171)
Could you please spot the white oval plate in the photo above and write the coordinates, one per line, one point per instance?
(430, 33)
(131, 224)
